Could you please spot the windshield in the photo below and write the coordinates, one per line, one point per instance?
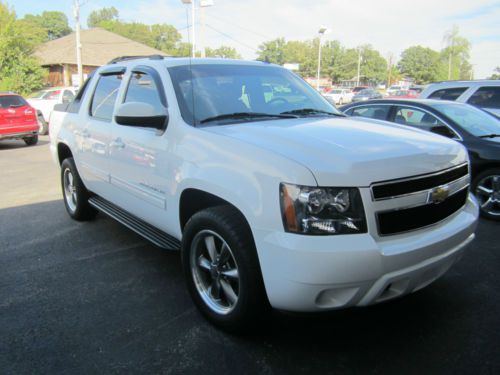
(336, 91)
(45, 94)
(224, 89)
(11, 101)
(473, 120)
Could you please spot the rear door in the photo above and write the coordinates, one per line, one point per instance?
(96, 133)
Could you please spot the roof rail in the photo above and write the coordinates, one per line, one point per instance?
(125, 58)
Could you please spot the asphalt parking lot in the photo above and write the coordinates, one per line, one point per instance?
(82, 298)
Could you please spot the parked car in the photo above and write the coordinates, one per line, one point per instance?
(393, 89)
(339, 96)
(17, 119)
(366, 94)
(484, 94)
(477, 130)
(285, 201)
(357, 89)
(403, 94)
(45, 100)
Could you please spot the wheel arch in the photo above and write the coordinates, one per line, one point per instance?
(63, 152)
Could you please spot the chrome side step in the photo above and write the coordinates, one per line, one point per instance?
(149, 232)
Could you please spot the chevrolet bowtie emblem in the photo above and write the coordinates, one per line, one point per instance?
(438, 195)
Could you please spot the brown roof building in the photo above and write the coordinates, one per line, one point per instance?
(99, 46)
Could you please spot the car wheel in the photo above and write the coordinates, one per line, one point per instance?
(222, 269)
(74, 192)
(486, 188)
(31, 141)
(44, 127)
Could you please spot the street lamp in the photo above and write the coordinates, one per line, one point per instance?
(187, 2)
(203, 5)
(322, 31)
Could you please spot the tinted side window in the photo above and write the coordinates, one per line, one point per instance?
(103, 102)
(448, 94)
(11, 101)
(67, 96)
(422, 120)
(142, 88)
(74, 106)
(378, 112)
(486, 97)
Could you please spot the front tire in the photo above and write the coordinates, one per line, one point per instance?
(486, 188)
(44, 127)
(222, 269)
(75, 194)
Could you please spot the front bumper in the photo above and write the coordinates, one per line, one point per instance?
(314, 273)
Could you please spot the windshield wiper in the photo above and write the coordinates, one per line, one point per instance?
(311, 111)
(245, 115)
(489, 136)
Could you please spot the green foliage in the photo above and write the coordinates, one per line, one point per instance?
(422, 64)
(496, 74)
(337, 62)
(19, 71)
(456, 55)
(223, 52)
(104, 14)
(54, 24)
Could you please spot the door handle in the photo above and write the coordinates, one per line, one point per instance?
(117, 143)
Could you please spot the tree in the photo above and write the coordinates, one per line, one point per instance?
(223, 52)
(19, 71)
(456, 55)
(496, 75)
(422, 64)
(54, 23)
(104, 14)
(272, 51)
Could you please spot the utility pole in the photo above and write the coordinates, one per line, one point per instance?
(203, 4)
(450, 59)
(322, 31)
(76, 13)
(359, 66)
(390, 71)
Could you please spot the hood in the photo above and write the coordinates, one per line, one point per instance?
(350, 151)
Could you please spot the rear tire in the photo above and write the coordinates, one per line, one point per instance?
(222, 270)
(75, 194)
(44, 127)
(31, 141)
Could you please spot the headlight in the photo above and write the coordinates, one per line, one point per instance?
(315, 210)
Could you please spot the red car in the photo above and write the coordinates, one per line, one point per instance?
(17, 119)
(404, 94)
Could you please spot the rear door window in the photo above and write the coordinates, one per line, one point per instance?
(378, 112)
(448, 94)
(486, 97)
(104, 99)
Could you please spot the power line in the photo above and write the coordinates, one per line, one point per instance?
(233, 39)
(240, 27)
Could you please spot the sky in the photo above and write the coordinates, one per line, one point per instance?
(389, 25)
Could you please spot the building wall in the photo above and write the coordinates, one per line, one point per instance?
(62, 75)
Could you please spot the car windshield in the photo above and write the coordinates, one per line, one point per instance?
(11, 101)
(238, 93)
(45, 94)
(473, 120)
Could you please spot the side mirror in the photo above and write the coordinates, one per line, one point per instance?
(142, 115)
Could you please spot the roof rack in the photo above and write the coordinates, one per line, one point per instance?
(126, 58)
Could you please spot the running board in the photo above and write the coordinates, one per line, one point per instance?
(149, 232)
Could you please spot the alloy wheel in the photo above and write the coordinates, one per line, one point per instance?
(488, 194)
(215, 271)
(70, 194)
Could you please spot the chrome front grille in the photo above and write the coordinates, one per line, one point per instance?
(416, 202)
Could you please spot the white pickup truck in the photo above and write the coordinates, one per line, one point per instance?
(277, 200)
